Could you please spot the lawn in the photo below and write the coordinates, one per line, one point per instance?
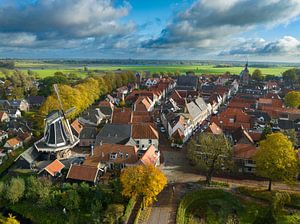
(216, 206)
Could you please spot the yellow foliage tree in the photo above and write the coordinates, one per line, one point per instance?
(143, 181)
(292, 99)
(276, 159)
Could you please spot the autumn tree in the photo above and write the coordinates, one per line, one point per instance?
(211, 153)
(292, 99)
(143, 181)
(276, 159)
(9, 220)
(257, 75)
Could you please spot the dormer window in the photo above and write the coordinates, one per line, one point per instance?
(113, 155)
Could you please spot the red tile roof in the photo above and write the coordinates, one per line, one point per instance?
(215, 129)
(55, 167)
(77, 126)
(122, 116)
(83, 173)
(150, 157)
(144, 131)
(244, 151)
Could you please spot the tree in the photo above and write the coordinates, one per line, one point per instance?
(257, 75)
(290, 76)
(267, 130)
(38, 190)
(292, 136)
(113, 213)
(15, 190)
(276, 159)
(10, 220)
(70, 200)
(143, 181)
(211, 153)
(292, 99)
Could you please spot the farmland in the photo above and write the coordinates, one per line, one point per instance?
(44, 69)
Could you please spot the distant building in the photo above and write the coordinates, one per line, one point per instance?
(245, 75)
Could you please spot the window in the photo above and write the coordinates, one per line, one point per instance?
(150, 141)
(137, 142)
(113, 155)
(127, 155)
(121, 154)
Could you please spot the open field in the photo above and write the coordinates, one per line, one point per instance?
(44, 69)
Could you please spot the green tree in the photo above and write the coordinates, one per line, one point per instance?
(257, 75)
(70, 200)
(38, 190)
(292, 99)
(292, 136)
(15, 189)
(211, 153)
(290, 76)
(113, 213)
(276, 159)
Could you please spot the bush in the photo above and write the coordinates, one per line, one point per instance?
(128, 209)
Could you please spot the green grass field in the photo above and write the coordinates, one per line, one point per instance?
(48, 69)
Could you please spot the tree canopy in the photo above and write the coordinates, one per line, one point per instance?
(292, 99)
(143, 181)
(257, 75)
(276, 159)
(211, 153)
(290, 75)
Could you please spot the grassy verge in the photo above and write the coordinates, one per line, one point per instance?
(128, 209)
(267, 196)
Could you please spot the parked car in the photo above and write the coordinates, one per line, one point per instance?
(162, 129)
(157, 120)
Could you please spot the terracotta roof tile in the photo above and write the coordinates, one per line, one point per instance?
(144, 131)
(124, 154)
(77, 126)
(150, 157)
(13, 141)
(83, 173)
(122, 116)
(55, 167)
(244, 151)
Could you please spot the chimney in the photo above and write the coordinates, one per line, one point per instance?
(92, 150)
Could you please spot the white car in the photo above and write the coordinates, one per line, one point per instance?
(157, 120)
(162, 129)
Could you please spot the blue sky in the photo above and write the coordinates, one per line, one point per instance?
(262, 30)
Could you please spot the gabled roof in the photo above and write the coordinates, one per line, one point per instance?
(35, 100)
(13, 141)
(215, 129)
(114, 134)
(77, 126)
(122, 116)
(144, 131)
(143, 103)
(29, 155)
(102, 153)
(88, 133)
(150, 157)
(55, 167)
(2, 113)
(244, 151)
(83, 173)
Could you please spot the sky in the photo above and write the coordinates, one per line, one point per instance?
(260, 30)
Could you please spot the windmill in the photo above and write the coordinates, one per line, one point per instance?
(58, 136)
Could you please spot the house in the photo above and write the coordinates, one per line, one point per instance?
(13, 143)
(114, 134)
(144, 135)
(143, 103)
(122, 91)
(25, 137)
(150, 157)
(85, 173)
(243, 156)
(21, 105)
(14, 113)
(112, 156)
(106, 109)
(187, 82)
(3, 136)
(179, 128)
(35, 101)
(87, 136)
(197, 110)
(27, 159)
(91, 116)
(241, 136)
(4, 117)
(232, 119)
(76, 127)
(151, 82)
(122, 116)
(214, 129)
(53, 169)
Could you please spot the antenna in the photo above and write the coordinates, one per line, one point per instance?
(64, 115)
